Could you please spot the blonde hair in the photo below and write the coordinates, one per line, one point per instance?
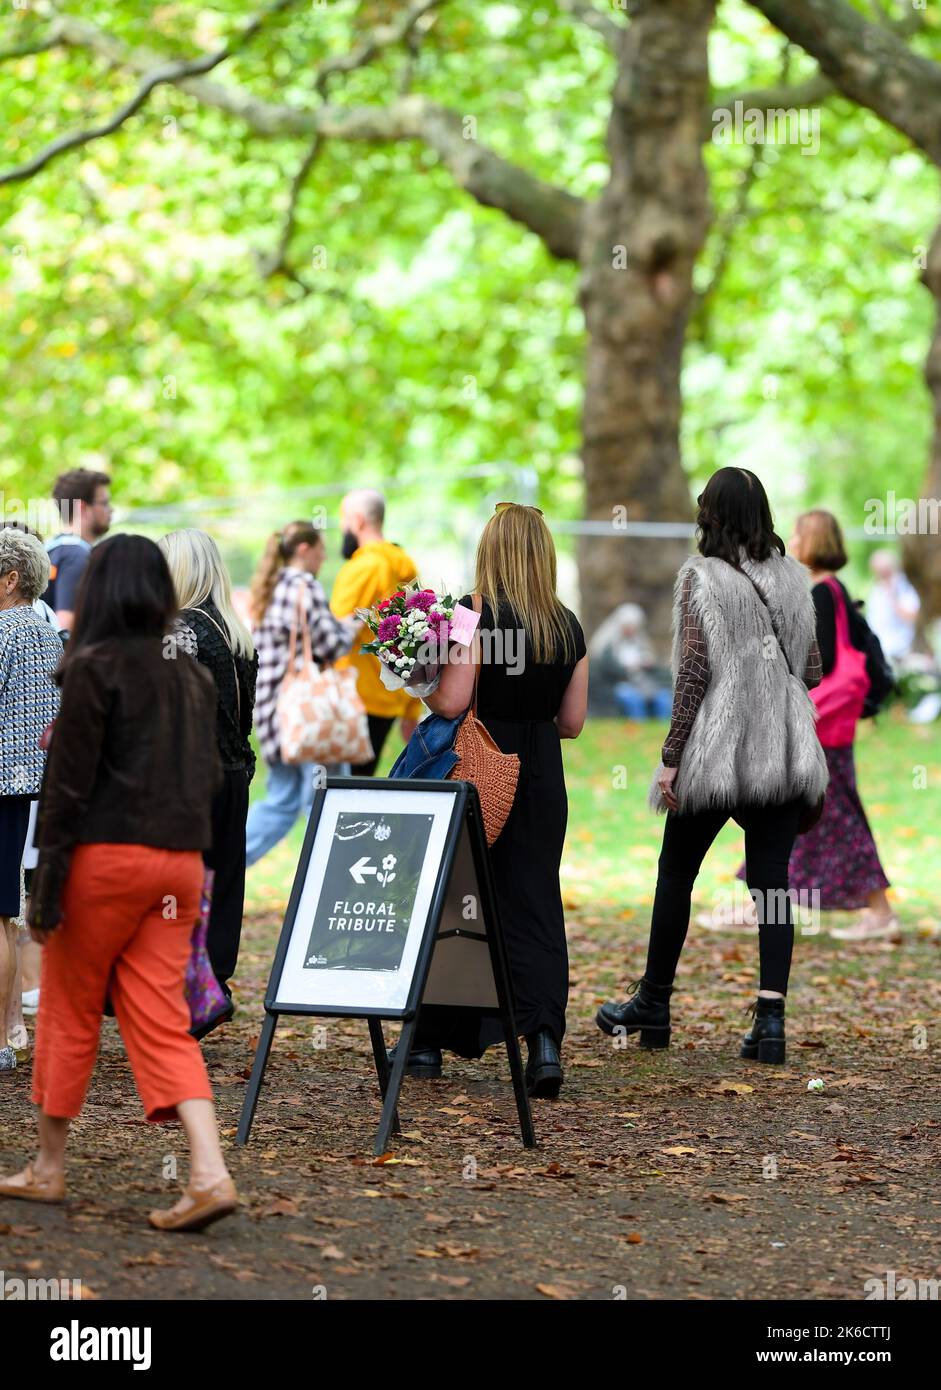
(280, 547)
(516, 565)
(198, 574)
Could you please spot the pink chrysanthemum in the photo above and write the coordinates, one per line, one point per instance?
(423, 600)
(388, 627)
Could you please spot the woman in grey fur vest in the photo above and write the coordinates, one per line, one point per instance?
(742, 744)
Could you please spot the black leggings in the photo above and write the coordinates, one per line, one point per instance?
(770, 832)
(227, 859)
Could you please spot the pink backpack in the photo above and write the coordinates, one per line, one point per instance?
(840, 696)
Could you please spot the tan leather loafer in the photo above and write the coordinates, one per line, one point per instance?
(200, 1207)
(33, 1189)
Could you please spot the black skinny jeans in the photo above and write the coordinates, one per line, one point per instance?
(770, 832)
(227, 859)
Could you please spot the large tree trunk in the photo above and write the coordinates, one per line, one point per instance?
(922, 552)
(640, 241)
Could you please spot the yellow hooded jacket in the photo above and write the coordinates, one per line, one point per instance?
(375, 571)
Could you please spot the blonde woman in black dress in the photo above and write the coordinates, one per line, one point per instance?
(532, 693)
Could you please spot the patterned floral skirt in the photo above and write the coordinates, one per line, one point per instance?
(838, 857)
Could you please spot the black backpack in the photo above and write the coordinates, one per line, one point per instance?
(882, 682)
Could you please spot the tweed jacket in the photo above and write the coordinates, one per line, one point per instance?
(753, 740)
(30, 650)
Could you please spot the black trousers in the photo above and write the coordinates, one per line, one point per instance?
(770, 832)
(227, 859)
(379, 726)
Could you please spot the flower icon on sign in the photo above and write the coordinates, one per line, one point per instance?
(387, 875)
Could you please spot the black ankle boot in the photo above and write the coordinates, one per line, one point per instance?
(544, 1067)
(424, 1062)
(765, 1042)
(647, 1013)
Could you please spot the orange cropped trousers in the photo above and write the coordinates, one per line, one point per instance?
(128, 913)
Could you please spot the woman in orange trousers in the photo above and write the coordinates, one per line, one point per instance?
(123, 818)
(116, 927)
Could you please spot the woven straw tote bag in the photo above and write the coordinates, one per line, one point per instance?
(321, 718)
(495, 774)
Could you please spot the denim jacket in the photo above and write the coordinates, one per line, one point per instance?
(430, 750)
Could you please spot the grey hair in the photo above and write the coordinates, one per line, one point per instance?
(24, 553)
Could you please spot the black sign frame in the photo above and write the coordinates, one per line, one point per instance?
(465, 814)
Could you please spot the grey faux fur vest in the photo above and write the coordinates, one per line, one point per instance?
(753, 739)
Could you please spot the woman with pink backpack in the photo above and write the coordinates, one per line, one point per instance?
(838, 858)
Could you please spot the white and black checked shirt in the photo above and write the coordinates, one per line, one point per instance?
(329, 638)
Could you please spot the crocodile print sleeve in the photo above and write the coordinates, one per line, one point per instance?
(813, 674)
(692, 680)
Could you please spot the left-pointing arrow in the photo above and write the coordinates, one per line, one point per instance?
(361, 867)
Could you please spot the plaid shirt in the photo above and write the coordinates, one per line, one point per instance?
(329, 639)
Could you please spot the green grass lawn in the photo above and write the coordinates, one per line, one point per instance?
(613, 840)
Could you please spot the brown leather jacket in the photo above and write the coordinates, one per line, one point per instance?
(133, 760)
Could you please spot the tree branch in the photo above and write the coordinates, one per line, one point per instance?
(870, 63)
(31, 46)
(551, 212)
(410, 30)
(811, 92)
(165, 73)
(726, 229)
(603, 24)
(407, 27)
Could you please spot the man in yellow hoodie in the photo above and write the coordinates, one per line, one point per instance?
(374, 569)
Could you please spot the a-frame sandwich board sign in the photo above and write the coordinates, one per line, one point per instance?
(393, 906)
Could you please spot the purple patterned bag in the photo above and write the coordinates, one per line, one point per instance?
(204, 994)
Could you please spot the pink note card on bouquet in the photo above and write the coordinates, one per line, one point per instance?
(463, 625)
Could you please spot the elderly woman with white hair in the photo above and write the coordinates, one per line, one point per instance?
(30, 651)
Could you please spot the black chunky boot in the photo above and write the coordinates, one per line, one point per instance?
(765, 1042)
(423, 1062)
(647, 1013)
(544, 1067)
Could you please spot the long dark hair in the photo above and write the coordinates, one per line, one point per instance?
(126, 591)
(735, 515)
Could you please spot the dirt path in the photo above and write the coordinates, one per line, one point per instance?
(686, 1174)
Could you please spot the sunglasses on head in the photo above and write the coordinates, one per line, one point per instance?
(525, 506)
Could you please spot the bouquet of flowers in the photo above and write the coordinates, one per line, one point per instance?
(411, 629)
